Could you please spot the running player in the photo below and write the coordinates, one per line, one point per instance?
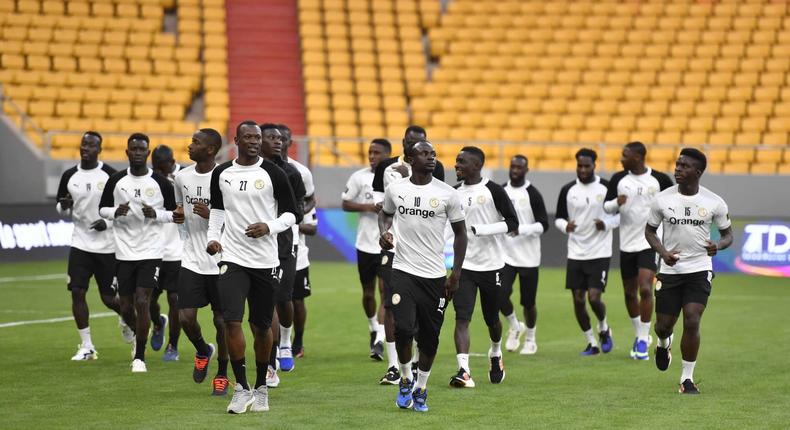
(251, 202)
(163, 163)
(630, 192)
(523, 258)
(92, 252)
(358, 197)
(687, 211)
(417, 210)
(197, 278)
(580, 215)
(489, 214)
(140, 201)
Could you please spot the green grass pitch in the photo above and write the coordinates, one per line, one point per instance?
(741, 371)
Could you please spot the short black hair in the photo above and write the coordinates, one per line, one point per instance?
(415, 129)
(163, 151)
(138, 136)
(243, 123)
(284, 129)
(214, 138)
(637, 147)
(587, 152)
(95, 134)
(696, 154)
(383, 142)
(410, 151)
(269, 126)
(522, 157)
(477, 152)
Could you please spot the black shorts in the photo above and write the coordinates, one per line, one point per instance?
(490, 285)
(587, 274)
(675, 291)
(168, 276)
(257, 286)
(137, 274)
(528, 283)
(196, 290)
(385, 272)
(367, 266)
(418, 302)
(302, 284)
(287, 274)
(631, 262)
(83, 265)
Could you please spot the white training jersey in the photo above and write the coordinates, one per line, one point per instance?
(137, 237)
(192, 187)
(309, 188)
(359, 189)
(640, 190)
(486, 203)
(524, 250)
(302, 254)
(85, 187)
(174, 247)
(687, 221)
(246, 195)
(420, 214)
(583, 203)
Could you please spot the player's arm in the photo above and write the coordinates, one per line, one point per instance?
(216, 218)
(299, 192)
(287, 204)
(561, 215)
(353, 189)
(385, 221)
(164, 214)
(541, 223)
(455, 213)
(505, 208)
(654, 219)
(309, 225)
(613, 201)
(721, 217)
(107, 207)
(63, 197)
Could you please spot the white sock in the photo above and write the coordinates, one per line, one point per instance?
(602, 325)
(285, 336)
(416, 356)
(422, 379)
(636, 321)
(405, 370)
(512, 320)
(531, 333)
(463, 362)
(496, 349)
(644, 331)
(591, 339)
(85, 335)
(688, 371)
(392, 355)
(665, 343)
(380, 336)
(373, 324)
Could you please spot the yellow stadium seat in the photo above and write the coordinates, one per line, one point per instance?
(768, 155)
(763, 168)
(735, 168)
(778, 139)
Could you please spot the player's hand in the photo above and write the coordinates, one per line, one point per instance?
(378, 207)
(513, 233)
(259, 229)
(451, 285)
(571, 227)
(178, 215)
(711, 247)
(402, 169)
(599, 224)
(385, 241)
(148, 211)
(66, 202)
(122, 210)
(621, 199)
(213, 247)
(99, 225)
(201, 210)
(670, 257)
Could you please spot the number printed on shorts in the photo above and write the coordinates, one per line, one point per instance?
(603, 277)
(442, 303)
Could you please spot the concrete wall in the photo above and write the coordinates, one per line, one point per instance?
(22, 168)
(749, 196)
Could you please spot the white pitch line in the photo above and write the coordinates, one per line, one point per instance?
(32, 278)
(53, 320)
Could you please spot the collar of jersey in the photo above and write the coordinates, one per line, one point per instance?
(647, 172)
(98, 166)
(257, 164)
(147, 175)
(597, 180)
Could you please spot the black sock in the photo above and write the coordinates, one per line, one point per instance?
(173, 341)
(273, 354)
(240, 372)
(201, 347)
(260, 376)
(222, 368)
(139, 351)
(298, 338)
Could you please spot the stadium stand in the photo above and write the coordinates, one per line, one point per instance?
(557, 74)
(115, 67)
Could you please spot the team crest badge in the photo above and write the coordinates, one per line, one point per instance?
(385, 259)
(223, 268)
(434, 202)
(481, 199)
(702, 211)
(652, 190)
(599, 197)
(658, 285)
(100, 186)
(395, 299)
(149, 192)
(259, 184)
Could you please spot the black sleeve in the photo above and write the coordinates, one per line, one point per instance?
(438, 172)
(503, 205)
(168, 195)
(664, 181)
(378, 176)
(297, 185)
(538, 207)
(108, 169)
(107, 196)
(63, 187)
(216, 193)
(611, 190)
(562, 202)
(283, 194)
